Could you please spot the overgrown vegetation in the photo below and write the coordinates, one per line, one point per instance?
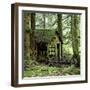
(44, 70)
(51, 44)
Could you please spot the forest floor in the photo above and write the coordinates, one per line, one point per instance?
(44, 70)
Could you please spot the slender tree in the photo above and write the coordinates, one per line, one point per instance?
(44, 21)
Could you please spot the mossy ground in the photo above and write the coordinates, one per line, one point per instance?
(44, 70)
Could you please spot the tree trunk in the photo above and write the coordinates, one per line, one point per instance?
(32, 35)
(74, 33)
(60, 31)
(27, 35)
(27, 44)
(26, 22)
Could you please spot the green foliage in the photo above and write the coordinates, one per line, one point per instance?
(71, 70)
(44, 28)
(49, 21)
(41, 70)
(29, 63)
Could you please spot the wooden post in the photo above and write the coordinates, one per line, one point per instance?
(58, 51)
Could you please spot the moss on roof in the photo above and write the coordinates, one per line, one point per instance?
(44, 35)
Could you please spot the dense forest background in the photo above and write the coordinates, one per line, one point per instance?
(51, 44)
